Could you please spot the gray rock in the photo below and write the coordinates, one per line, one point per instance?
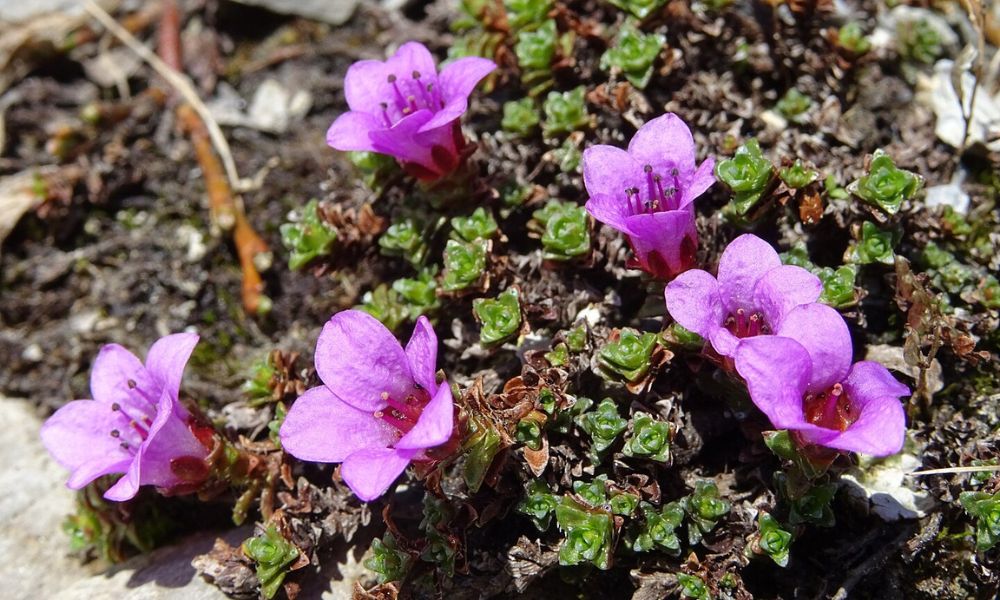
(334, 12)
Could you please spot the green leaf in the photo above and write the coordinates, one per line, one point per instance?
(693, 587)
(565, 112)
(748, 174)
(650, 438)
(851, 38)
(529, 433)
(464, 264)
(386, 560)
(405, 239)
(418, 295)
(567, 231)
(603, 424)
(793, 105)
(536, 49)
(634, 53)
(273, 555)
(772, 539)
(480, 225)
(520, 117)
(588, 534)
(798, 175)
(985, 509)
(526, 14)
(539, 504)
(885, 186)
(629, 357)
(384, 304)
(640, 9)
(919, 41)
(875, 246)
(500, 318)
(659, 529)
(481, 447)
(307, 238)
(705, 508)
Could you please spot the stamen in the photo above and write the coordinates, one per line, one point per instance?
(115, 433)
(831, 409)
(400, 100)
(416, 74)
(131, 384)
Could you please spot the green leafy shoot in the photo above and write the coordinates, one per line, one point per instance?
(500, 318)
(771, 539)
(480, 225)
(704, 508)
(634, 53)
(588, 534)
(307, 238)
(798, 175)
(520, 117)
(273, 555)
(649, 438)
(693, 586)
(852, 38)
(603, 424)
(658, 531)
(628, 358)
(748, 173)
(875, 246)
(884, 185)
(566, 233)
(464, 264)
(405, 239)
(387, 561)
(565, 112)
(539, 504)
(985, 509)
(794, 105)
(639, 9)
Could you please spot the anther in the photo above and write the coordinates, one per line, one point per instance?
(131, 384)
(116, 407)
(115, 433)
(391, 78)
(416, 74)
(648, 168)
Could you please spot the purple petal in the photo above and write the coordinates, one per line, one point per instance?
(401, 142)
(358, 359)
(410, 57)
(370, 472)
(744, 261)
(610, 210)
(869, 379)
(167, 358)
(609, 171)
(435, 425)
(724, 342)
(782, 289)
(350, 132)
(693, 300)
(78, 436)
(879, 431)
(366, 86)
(701, 180)
(665, 143)
(169, 438)
(457, 80)
(321, 428)
(777, 371)
(115, 373)
(421, 352)
(824, 334)
(663, 233)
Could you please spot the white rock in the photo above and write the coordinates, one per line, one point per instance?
(884, 485)
(938, 93)
(334, 12)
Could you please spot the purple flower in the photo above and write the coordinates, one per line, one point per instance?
(809, 386)
(648, 191)
(134, 425)
(379, 408)
(751, 296)
(404, 108)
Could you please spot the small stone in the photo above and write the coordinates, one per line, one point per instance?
(334, 12)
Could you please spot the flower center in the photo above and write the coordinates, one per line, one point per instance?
(831, 409)
(403, 415)
(138, 416)
(657, 193)
(743, 324)
(408, 96)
